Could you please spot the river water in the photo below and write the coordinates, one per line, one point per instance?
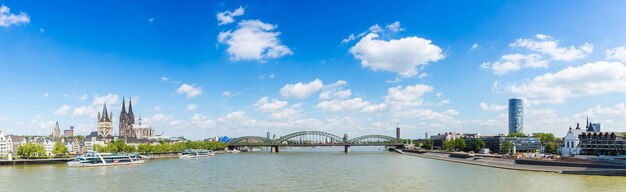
(297, 169)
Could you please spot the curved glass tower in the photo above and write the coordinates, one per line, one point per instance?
(516, 115)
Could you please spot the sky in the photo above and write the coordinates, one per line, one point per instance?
(201, 69)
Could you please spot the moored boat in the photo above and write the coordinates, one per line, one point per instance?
(95, 159)
(195, 153)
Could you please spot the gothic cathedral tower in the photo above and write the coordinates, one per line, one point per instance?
(127, 119)
(105, 123)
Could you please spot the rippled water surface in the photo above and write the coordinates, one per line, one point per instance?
(299, 169)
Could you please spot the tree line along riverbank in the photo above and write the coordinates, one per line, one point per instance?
(33, 151)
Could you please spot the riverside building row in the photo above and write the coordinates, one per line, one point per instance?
(592, 141)
(493, 143)
(132, 133)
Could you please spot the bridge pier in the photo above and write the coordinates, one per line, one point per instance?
(274, 149)
(346, 149)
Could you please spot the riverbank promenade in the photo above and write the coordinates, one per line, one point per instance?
(512, 165)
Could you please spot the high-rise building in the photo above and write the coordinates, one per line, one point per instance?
(398, 131)
(69, 132)
(105, 123)
(516, 115)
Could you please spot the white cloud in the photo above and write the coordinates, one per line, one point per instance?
(151, 19)
(407, 96)
(165, 78)
(189, 90)
(159, 119)
(402, 56)
(82, 97)
(42, 124)
(427, 114)
(253, 40)
(618, 110)
(200, 121)
(351, 37)
(157, 109)
(227, 17)
(291, 112)
(474, 46)
(589, 79)
(542, 50)
(63, 110)
(88, 111)
(226, 94)
(492, 107)
(109, 99)
(394, 27)
(301, 90)
(7, 18)
(335, 91)
(616, 54)
(45, 94)
(343, 105)
(514, 62)
(375, 108)
(265, 105)
(191, 107)
(443, 102)
(548, 46)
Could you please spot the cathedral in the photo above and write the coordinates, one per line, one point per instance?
(105, 123)
(127, 120)
(128, 128)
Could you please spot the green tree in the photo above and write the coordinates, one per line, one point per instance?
(545, 137)
(144, 148)
(428, 144)
(29, 150)
(506, 146)
(59, 149)
(460, 144)
(449, 145)
(178, 147)
(80, 138)
(477, 144)
(516, 135)
(551, 147)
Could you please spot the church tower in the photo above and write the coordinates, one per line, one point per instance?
(127, 119)
(105, 123)
(56, 131)
(123, 120)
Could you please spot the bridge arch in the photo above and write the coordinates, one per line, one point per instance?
(333, 138)
(373, 139)
(250, 139)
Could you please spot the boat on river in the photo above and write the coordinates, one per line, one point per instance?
(95, 159)
(195, 153)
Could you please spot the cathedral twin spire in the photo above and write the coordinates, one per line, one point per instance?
(127, 119)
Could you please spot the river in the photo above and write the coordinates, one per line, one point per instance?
(297, 169)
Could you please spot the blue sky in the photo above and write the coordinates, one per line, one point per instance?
(203, 69)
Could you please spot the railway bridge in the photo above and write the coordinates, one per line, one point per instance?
(314, 139)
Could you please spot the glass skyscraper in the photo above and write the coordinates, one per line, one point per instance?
(516, 116)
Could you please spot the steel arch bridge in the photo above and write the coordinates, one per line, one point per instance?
(311, 139)
(250, 140)
(311, 136)
(373, 139)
